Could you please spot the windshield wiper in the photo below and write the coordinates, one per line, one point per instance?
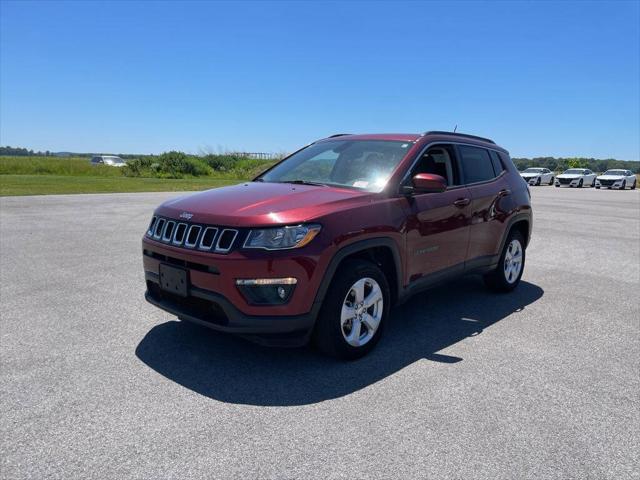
(304, 182)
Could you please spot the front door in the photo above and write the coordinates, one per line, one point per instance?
(437, 233)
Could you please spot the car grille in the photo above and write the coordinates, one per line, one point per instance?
(606, 183)
(565, 181)
(194, 236)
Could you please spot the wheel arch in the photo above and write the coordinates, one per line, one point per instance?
(382, 251)
(521, 222)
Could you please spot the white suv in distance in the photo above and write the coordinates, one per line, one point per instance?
(111, 160)
(576, 177)
(618, 179)
(537, 176)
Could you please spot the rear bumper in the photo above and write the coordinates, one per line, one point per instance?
(214, 311)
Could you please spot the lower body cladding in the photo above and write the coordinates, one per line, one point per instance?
(265, 301)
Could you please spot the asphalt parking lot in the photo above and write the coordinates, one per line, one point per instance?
(541, 383)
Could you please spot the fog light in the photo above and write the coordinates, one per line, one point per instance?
(267, 291)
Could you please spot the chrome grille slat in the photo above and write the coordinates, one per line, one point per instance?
(159, 230)
(192, 228)
(208, 246)
(168, 232)
(152, 225)
(175, 240)
(230, 243)
(208, 238)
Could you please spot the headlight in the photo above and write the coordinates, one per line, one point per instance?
(281, 238)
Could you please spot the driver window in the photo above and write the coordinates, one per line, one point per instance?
(439, 161)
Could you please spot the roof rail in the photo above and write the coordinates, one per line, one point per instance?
(338, 135)
(465, 135)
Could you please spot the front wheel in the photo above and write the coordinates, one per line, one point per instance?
(624, 185)
(580, 183)
(539, 181)
(551, 181)
(507, 275)
(354, 311)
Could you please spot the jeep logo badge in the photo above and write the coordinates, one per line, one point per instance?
(186, 215)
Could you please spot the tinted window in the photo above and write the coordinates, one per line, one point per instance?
(498, 168)
(476, 164)
(439, 160)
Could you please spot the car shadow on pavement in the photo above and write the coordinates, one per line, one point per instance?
(230, 369)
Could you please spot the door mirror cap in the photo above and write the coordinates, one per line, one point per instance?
(429, 183)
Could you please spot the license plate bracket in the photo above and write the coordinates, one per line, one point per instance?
(174, 280)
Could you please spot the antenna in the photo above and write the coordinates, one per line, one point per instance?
(456, 128)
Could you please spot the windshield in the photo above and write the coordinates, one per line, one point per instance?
(574, 171)
(533, 170)
(361, 164)
(615, 172)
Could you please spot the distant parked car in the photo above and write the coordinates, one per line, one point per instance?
(538, 176)
(111, 160)
(576, 177)
(618, 179)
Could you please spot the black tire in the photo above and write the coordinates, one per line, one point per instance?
(634, 185)
(624, 185)
(580, 183)
(551, 181)
(328, 334)
(557, 186)
(539, 181)
(597, 188)
(496, 280)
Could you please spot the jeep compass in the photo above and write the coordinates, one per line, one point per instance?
(320, 246)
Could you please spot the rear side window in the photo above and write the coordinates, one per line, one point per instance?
(498, 167)
(477, 165)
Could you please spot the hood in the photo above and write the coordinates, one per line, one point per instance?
(570, 175)
(262, 204)
(611, 177)
(529, 175)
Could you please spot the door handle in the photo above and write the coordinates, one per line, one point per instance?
(504, 193)
(462, 202)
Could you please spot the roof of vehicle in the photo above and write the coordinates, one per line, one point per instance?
(400, 137)
(414, 137)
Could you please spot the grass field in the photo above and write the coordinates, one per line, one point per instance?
(61, 184)
(47, 175)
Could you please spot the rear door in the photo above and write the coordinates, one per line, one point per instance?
(484, 176)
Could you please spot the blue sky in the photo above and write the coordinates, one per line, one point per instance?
(541, 78)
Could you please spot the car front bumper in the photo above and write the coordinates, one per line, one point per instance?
(610, 185)
(564, 182)
(214, 300)
(215, 311)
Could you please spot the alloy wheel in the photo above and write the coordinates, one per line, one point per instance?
(513, 261)
(362, 311)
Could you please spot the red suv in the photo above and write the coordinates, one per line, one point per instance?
(320, 246)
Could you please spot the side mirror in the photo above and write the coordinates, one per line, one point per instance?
(428, 183)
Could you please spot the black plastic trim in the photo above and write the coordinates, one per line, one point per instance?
(350, 250)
